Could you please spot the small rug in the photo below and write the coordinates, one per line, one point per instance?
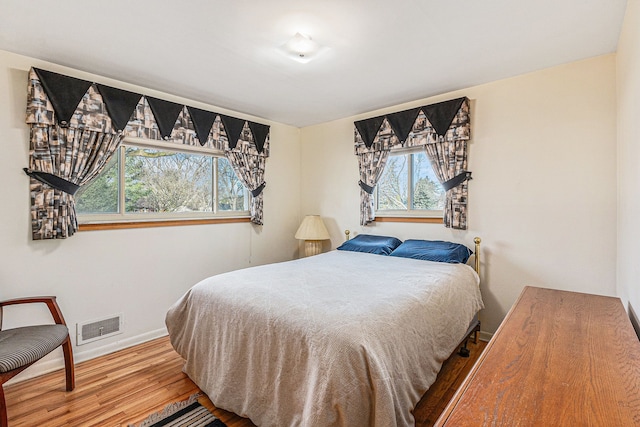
(188, 413)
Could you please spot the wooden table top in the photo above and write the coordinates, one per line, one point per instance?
(558, 359)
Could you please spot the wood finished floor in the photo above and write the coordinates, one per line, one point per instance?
(126, 386)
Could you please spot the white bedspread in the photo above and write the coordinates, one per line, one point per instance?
(337, 339)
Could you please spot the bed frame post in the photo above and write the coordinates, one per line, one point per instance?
(477, 241)
(477, 255)
(346, 234)
(474, 328)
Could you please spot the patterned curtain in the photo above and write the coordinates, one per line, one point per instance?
(247, 158)
(62, 158)
(371, 165)
(250, 170)
(443, 129)
(77, 156)
(449, 160)
(77, 126)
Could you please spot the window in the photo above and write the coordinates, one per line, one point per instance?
(162, 181)
(408, 186)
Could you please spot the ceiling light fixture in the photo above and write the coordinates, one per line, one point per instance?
(302, 48)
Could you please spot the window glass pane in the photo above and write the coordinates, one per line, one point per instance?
(427, 192)
(394, 183)
(167, 181)
(231, 193)
(101, 194)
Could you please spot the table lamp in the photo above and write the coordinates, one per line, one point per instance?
(313, 232)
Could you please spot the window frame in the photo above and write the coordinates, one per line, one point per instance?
(122, 219)
(409, 214)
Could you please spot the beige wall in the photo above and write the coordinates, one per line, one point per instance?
(542, 198)
(628, 79)
(137, 272)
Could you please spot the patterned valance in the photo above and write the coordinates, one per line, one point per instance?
(56, 99)
(444, 121)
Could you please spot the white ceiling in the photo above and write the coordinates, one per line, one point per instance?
(379, 53)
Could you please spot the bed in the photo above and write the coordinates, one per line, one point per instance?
(344, 338)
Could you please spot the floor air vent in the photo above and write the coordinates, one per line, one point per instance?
(98, 329)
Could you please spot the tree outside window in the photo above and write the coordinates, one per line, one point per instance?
(408, 184)
(159, 181)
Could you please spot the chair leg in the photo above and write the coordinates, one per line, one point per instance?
(68, 364)
(3, 409)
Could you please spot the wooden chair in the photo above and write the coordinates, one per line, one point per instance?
(22, 347)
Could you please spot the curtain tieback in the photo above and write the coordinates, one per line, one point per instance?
(257, 191)
(456, 180)
(53, 181)
(366, 187)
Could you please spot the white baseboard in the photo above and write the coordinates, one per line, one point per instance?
(485, 336)
(117, 345)
(46, 366)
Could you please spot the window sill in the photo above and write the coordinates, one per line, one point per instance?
(423, 220)
(159, 223)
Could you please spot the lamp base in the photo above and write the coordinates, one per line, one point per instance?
(312, 247)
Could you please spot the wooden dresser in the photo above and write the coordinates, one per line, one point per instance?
(558, 359)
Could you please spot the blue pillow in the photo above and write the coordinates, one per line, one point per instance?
(433, 250)
(381, 245)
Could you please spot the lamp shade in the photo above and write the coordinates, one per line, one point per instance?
(312, 228)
